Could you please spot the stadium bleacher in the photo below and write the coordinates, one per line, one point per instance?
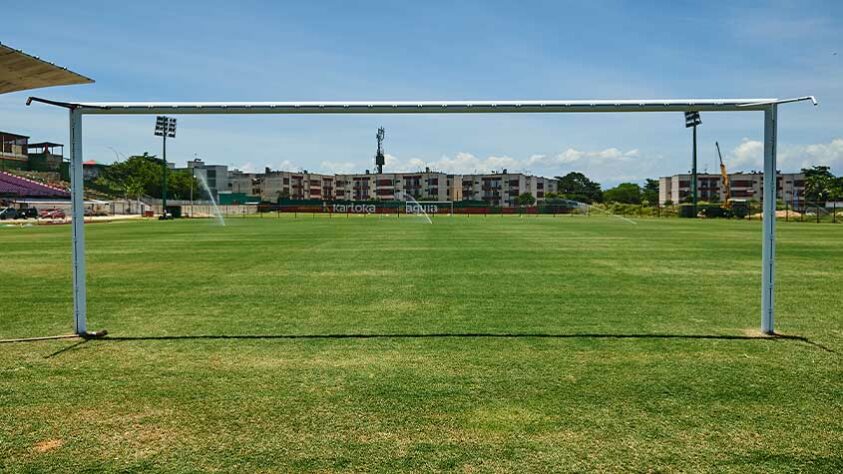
(15, 186)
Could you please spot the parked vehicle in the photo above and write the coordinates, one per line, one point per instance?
(91, 212)
(52, 214)
(27, 213)
(8, 213)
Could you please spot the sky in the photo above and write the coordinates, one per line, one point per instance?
(473, 50)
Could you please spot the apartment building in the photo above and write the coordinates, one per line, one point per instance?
(747, 186)
(503, 189)
(499, 189)
(424, 185)
(274, 185)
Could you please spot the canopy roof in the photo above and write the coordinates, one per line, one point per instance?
(20, 71)
(417, 107)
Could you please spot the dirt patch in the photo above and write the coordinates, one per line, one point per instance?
(48, 445)
(780, 215)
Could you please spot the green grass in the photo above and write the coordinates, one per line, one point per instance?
(473, 396)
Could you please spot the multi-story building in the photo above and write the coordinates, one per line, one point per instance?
(426, 185)
(503, 189)
(243, 183)
(747, 186)
(274, 185)
(215, 175)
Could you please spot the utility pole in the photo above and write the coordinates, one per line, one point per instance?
(164, 127)
(692, 120)
(192, 179)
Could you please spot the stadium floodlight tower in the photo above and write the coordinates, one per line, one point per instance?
(165, 127)
(768, 106)
(692, 120)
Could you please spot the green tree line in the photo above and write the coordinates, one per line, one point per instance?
(578, 187)
(820, 186)
(143, 175)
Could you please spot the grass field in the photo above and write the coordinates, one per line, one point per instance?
(473, 344)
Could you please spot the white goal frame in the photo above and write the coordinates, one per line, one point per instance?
(768, 106)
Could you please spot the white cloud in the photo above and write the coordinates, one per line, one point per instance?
(468, 163)
(609, 164)
(286, 165)
(339, 167)
(249, 167)
(827, 154)
(749, 155)
(568, 156)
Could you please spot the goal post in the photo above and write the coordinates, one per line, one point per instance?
(769, 107)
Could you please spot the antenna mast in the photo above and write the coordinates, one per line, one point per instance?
(380, 160)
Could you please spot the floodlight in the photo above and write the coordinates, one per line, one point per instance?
(165, 127)
(692, 119)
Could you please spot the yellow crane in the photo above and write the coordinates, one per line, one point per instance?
(724, 177)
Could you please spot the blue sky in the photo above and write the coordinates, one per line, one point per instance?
(346, 50)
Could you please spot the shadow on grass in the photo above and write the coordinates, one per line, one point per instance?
(469, 335)
(65, 349)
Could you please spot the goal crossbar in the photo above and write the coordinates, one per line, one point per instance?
(768, 106)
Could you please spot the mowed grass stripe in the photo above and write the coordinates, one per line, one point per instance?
(586, 388)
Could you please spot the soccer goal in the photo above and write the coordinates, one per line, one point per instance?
(769, 107)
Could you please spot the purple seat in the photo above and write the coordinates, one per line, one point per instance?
(15, 186)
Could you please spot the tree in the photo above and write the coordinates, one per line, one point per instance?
(650, 192)
(626, 193)
(526, 199)
(578, 187)
(146, 172)
(818, 182)
(835, 191)
(837, 188)
(133, 188)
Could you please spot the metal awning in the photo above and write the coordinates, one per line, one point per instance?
(20, 71)
(421, 107)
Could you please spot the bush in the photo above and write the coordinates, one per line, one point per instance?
(740, 210)
(713, 211)
(686, 210)
(708, 210)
